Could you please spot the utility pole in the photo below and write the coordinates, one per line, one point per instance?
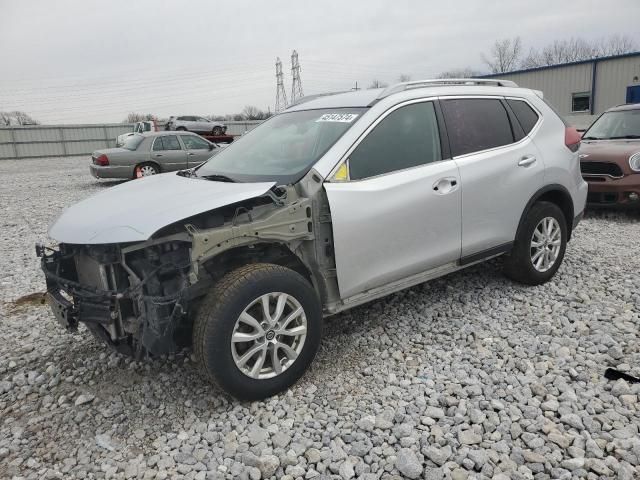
(356, 87)
(296, 85)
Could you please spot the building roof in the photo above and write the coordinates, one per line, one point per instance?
(560, 65)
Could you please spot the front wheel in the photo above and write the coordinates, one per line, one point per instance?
(258, 331)
(217, 131)
(539, 248)
(181, 129)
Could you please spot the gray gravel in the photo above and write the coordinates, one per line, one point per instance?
(470, 376)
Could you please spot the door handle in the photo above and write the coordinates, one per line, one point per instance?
(190, 154)
(445, 185)
(526, 161)
(158, 155)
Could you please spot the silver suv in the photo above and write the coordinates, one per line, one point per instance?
(335, 202)
(196, 124)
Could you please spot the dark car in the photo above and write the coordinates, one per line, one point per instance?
(610, 157)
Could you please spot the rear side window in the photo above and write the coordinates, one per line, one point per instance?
(527, 117)
(406, 138)
(476, 124)
(169, 142)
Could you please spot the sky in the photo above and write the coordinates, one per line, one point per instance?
(89, 61)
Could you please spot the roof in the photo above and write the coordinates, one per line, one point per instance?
(560, 65)
(627, 106)
(356, 98)
(160, 133)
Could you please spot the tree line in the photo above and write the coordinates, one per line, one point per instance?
(17, 118)
(509, 54)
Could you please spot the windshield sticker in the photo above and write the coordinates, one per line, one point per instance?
(338, 117)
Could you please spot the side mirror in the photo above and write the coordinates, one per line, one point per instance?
(211, 146)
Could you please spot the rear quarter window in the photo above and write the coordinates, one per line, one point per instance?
(527, 116)
(476, 124)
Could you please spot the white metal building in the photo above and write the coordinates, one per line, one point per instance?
(581, 91)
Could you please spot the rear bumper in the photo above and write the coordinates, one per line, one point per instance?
(619, 192)
(109, 171)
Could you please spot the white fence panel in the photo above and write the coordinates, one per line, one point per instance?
(59, 140)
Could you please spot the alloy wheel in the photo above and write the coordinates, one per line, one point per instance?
(546, 242)
(269, 335)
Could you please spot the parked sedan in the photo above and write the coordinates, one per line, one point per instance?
(610, 158)
(151, 153)
(196, 124)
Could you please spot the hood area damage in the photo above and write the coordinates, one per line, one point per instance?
(139, 297)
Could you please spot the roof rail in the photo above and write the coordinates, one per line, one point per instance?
(400, 87)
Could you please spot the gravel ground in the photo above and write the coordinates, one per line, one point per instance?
(470, 376)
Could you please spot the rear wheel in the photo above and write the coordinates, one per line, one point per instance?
(217, 131)
(539, 248)
(258, 330)
(145, 170)
(182, 129)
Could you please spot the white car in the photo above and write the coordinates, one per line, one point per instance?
(196, 124)
(330, 204)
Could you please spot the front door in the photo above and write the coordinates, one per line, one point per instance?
(500, 167)
(198, 150)
(168, 153)
(397, 212)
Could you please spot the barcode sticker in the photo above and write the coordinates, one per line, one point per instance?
(338, 117)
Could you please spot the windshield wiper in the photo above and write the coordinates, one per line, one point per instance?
(217, 178)
(631, 137)
(591, 138)
(186, 173)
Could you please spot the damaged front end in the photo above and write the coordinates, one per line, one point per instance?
(133, 297)
(140, 297)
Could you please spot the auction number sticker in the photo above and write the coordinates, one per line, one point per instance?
(338, 117)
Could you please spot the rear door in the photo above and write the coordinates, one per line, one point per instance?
(197, 149)
(397, 211)
(500, 170)
(167, 151)
(204, 126)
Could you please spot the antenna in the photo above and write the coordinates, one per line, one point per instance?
(296, 84)
(281, 95)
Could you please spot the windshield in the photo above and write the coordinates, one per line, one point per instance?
(132, 142)
(283, 148)
(616, 124)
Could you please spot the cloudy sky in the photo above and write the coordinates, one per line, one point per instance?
(73, 61)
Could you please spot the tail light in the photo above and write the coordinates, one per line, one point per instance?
(572, 138)
(102, 160)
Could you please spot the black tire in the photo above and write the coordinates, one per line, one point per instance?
(217, 316)
(217, 131)
(151, 165)
(518, 265)
(181, 129)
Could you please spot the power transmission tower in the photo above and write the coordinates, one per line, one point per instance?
(296, 85)
(281, 95)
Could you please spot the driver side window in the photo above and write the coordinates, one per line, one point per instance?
(191, 142)
(407, 137)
